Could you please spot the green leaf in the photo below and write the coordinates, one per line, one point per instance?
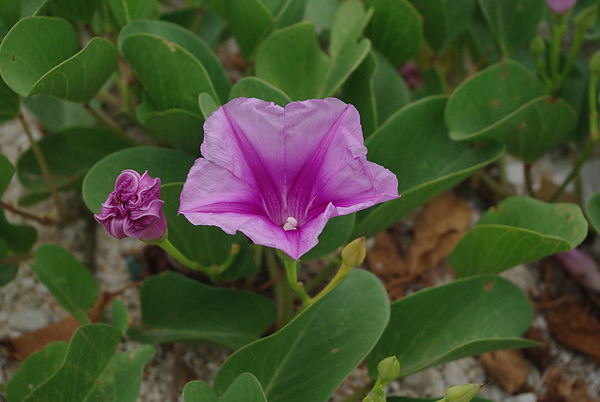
(171, 166)
(291, 59)
(171, 76)
(348, 24)
(395, 29)
(10, 12)
(176, 308)
(335, 234)
(9, 103)
(308, 358)
(518, 231)
(444, 20)
(322, 12)
(40, 56)
(19, 239)
(179, 128)
(359, 91)
(69, 155)
(409, 399)
(8, 272)
(391, 92)
(249, 21)
(593, 210)
(126, 11)
(36, 369)
(210, 29)
(286, 12)
(414, 145)
(252, 87)
(6, 173)
(448, 322)
(66, 278)
(199, 391)
(91, 371)
(513, 22)
(119, 317)
(56, 114)
(75, 9)
(507, 104)
(207, 104)
(188, 41)
(208, 245)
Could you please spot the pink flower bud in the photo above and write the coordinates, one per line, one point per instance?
(134, 208)
(560, 6)
(581, 267)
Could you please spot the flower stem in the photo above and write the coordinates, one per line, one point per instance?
(291, 271)
(575, 47)
(339, 276)
(528, 179)
(175, 253)
(106, 121)
(558, 30)
(284, 299)
(41, 160)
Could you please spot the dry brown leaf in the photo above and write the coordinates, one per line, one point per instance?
(572, 326)
(569, 391)
(438, 228)
(509, 367)
(62, 330)
(547, 189)
(384, 259)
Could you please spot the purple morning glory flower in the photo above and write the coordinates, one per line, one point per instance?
(134, 209)
(560, 6)
(278, 174)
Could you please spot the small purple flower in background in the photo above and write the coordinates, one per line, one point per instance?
(278, 174)
(581, 267)
(411, 74)
(134, 209)
(560, 6)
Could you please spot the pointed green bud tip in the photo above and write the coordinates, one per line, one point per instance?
(586, 19)
(537, 46)
(355, 252)
(595, 63)
(462, 393)
(388, 369)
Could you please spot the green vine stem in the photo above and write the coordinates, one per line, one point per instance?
(284, 298)
(559, 26)
(41, 160)
(107, 122)
(291, 271)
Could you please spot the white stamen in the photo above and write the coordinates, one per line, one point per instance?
(290, 224)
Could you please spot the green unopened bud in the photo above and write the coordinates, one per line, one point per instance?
(586, 19)
(355, 252)
(388, 369)
(537, 46)
(595, 63)
(461, 393)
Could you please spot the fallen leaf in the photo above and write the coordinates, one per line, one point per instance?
(572, 326)
(547, 189)
(383, 258)
(438, 227)
(567, 390)
(508, 367)
(24, 345)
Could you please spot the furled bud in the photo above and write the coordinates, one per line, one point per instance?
(388, 369)
(586, 19)
(560, 6)
(461, 393)
(134, 209)
(355, 252)
(580, 265)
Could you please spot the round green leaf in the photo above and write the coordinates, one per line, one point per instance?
(126, 11)
(6, 172)
(9, 103)
(208, 245)
(40, 56)
(308, 358)
(244, 388)
(56, 114)
(249, 22)
(188, 41)
(518, 231)
(66, 278)
(18, 239)
(90, 370)
(414, 145)
(176, 308)
(171, 166)
(513, 22)
(199, 391)
(172, 77)
(448, 322)
(593, 210)
(8, 272)
(395, 29)
(75, 9)
(10, 12)
(179, 128)
(252, 87)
